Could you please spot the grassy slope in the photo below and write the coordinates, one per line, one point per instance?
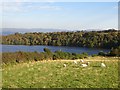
(52, 74)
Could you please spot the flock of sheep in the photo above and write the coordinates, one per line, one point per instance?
(85, 64)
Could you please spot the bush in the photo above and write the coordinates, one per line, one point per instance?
(115, 52)
(13, 57)
(55, 57)
(101, 53)
(47, 50)
(94, 55)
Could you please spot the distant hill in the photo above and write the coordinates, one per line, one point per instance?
(7, 31)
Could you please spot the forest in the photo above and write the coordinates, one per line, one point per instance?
(92, 39)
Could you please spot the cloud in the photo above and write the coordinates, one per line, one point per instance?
(11, 7)
(27, 6)
(45, 7)
(60, 0)
(31, 0)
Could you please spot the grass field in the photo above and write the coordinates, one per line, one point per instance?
(52, 74)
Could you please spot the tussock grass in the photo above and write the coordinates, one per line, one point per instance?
(52, 74)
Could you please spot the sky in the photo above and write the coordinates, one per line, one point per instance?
(60, 15)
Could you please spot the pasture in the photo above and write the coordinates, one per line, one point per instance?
(53, 74)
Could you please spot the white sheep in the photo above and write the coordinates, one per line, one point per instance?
(75, 62)
(103, 65)
(64, 65)
(85, 64)
(81, 60)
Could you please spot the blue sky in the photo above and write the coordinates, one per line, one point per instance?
(60, 15)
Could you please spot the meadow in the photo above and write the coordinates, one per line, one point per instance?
(53, 74)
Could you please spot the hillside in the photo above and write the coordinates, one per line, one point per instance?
(53, 74)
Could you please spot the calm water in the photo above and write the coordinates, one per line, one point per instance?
(14, 48)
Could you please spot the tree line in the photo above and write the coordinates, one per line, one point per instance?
(17, 57)
(92, 39)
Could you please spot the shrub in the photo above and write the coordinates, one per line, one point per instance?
(101, 53)
(13, 57)
(84, 53)
(47, 50)
(55, 57)
(94, 55)
(115, 52)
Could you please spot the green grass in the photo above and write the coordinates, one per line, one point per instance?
(52, 74)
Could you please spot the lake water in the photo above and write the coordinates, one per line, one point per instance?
(14, 48)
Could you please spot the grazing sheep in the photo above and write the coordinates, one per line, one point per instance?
(103, 65)
(84, 64)
(81, 60)
(64, 65)
(75, 62)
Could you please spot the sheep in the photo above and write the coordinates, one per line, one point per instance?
(81, 60)
(85, 64)
(103, 65)
(64, 65)
(75, 62)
